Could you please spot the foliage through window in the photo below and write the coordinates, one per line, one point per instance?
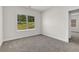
(30, 22)
(25, 22)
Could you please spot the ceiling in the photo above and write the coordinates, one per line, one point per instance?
(39, 8)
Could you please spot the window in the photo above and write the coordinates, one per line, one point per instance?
(25, 22)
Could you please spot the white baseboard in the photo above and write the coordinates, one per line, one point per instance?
(14, 38)
(58, 38)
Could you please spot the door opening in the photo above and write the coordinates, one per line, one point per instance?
(74, 26)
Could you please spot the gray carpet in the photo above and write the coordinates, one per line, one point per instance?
(39, 43)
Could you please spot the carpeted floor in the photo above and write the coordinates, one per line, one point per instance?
(39, 43)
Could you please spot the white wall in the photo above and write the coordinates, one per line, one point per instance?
(10, 17)
(1, 25)
(55, 24)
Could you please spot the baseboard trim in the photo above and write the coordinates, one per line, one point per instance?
(14, 38)
(56, 38)
(36, 35)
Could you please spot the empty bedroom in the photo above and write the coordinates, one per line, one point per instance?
(36, 29)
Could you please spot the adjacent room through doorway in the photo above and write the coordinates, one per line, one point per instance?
(74, 25)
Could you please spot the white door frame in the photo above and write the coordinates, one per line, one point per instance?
(1, 25)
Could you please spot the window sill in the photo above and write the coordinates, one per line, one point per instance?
(27, 30)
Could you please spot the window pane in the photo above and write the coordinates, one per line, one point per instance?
(21, 22)
(31, 22)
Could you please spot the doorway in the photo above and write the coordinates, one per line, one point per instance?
(74, 25)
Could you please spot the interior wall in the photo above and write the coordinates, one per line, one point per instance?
(55, 23)
(1, 25)
(10, 17)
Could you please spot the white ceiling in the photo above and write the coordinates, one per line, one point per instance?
(39, 8)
